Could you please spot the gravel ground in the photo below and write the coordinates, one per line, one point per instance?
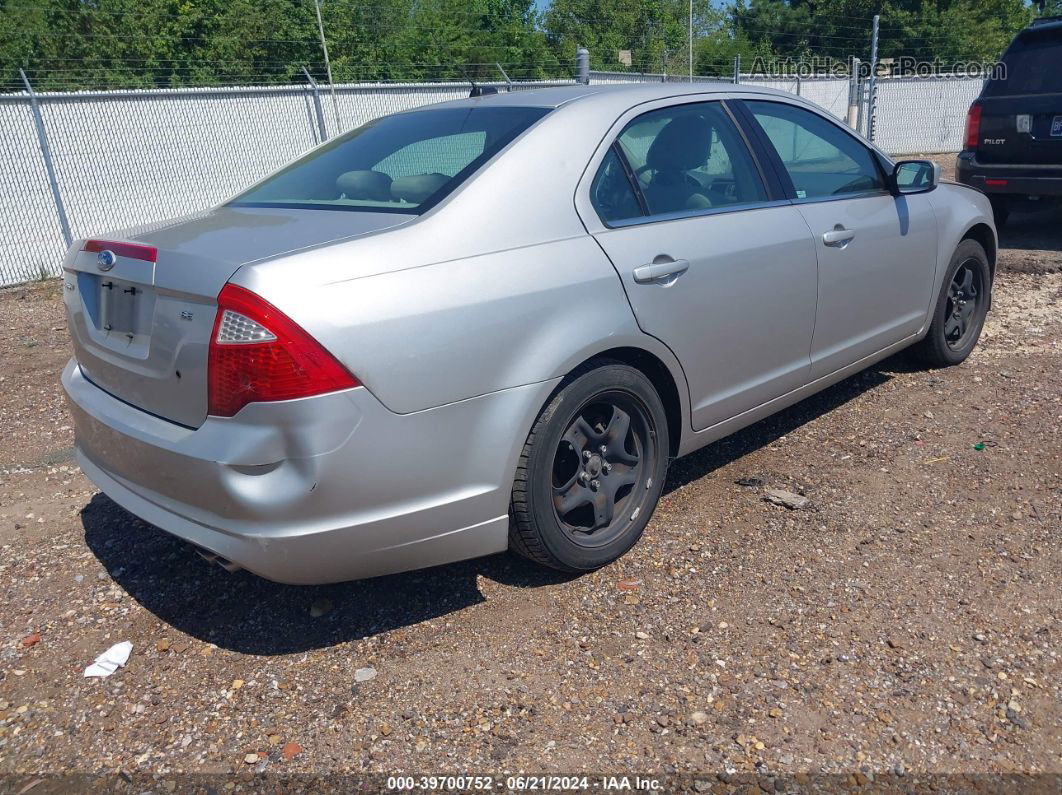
(906, 619)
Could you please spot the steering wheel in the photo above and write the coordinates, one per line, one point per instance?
(859, 183)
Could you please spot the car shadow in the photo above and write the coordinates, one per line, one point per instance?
(245, 613)
(731, 448)
(242, 612)
(1032, 228)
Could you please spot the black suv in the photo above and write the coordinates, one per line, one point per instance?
(1013, 144)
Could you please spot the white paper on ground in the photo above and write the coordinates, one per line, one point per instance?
(111, 660)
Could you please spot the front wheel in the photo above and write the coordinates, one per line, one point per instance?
(961, 308)
(591, 471)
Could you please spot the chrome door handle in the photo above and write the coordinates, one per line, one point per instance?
(660, 271)
(839, 237)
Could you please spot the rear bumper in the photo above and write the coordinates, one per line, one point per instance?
(1007, 178)
(324, 489)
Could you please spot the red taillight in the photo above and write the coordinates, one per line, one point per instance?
(257, 353)
(131, 250)
(973, 126)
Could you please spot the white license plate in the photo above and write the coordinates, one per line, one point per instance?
(1056, 127)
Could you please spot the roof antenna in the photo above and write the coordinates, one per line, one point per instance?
(479, 91)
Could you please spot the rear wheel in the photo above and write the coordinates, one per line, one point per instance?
(961, 308)
(591, 471)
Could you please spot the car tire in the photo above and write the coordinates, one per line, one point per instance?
(961, 308)
(1000, 209)
(591, 471)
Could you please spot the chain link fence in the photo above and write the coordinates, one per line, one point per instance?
(137, 157)
(924, 114)
(915, 115)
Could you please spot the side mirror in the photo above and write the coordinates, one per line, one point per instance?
(915, 176)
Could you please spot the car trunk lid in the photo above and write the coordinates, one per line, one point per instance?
(142, 303)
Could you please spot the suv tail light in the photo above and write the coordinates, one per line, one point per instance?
(973, 126)
(257, 353)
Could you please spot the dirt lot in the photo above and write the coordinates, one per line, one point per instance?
(906, 621)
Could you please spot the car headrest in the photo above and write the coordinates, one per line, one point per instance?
(683, 144)
(418, 187)
(372, 185)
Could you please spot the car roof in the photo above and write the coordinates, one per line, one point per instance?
(1044, 21)
(625, 95)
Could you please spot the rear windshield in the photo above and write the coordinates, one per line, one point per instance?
(403, 163)
(1032, 65)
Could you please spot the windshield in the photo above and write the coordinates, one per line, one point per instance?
(403, 163)
(1032, 65)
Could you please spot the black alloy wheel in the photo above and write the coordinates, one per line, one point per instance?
(964, 292)
(592, 469)
(961, 307)
(599, 480)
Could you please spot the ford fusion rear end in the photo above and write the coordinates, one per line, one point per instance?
(202, 407)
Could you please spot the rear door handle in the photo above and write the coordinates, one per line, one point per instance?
(660, 271)
(838, 237)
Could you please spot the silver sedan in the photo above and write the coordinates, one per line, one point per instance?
(491, 323)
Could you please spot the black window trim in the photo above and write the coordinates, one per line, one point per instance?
(764, 149)
(774, 197)
(768, 176)
(632, 178)
(771, 154)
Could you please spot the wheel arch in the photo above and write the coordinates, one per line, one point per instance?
(663, 379)
(982, 233)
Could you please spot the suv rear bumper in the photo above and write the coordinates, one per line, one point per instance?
(322, 489)
(1008, 178)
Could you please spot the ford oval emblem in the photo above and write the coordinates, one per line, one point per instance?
(105, 260)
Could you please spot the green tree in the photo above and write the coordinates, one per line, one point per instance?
(948, 31)
(260, 41)
(654, 31)
(78, 44)
(776, 26)
(67, 44)
(716, 51)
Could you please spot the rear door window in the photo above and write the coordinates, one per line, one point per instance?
(690, 157)
(681, 159)
(612, 191)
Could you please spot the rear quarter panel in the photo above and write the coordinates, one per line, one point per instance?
(422, 337)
